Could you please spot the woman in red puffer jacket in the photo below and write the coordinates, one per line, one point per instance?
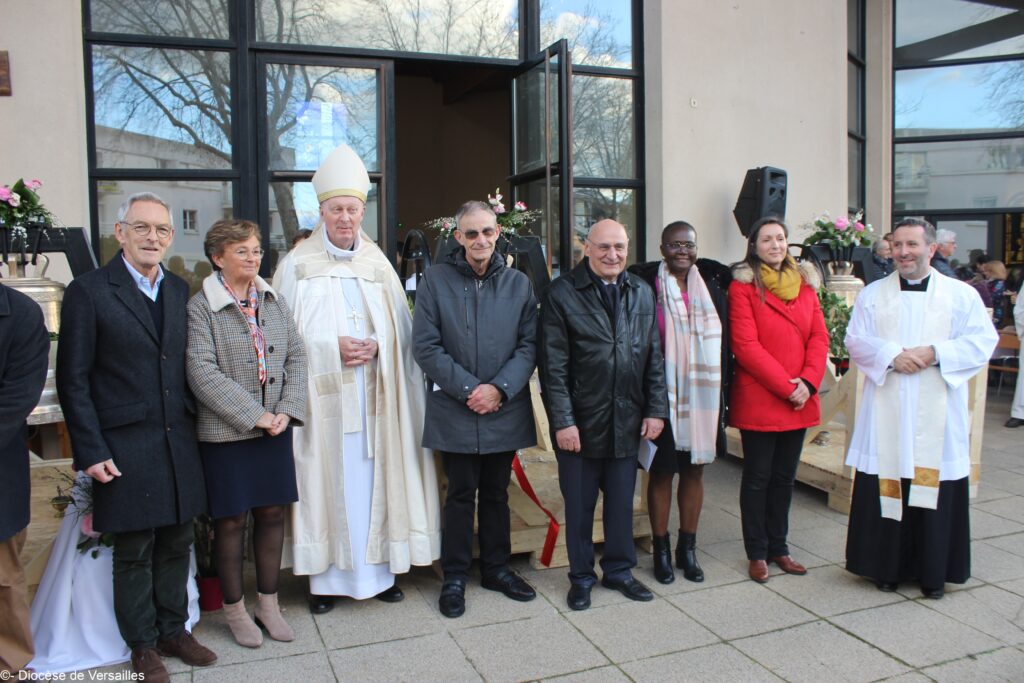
(778, 336)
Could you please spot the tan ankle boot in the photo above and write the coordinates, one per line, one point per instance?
(245, 632)
(268, 616)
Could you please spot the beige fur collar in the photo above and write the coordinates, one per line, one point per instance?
(742, 273)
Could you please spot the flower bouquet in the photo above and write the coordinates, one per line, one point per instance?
(840, 234)
(22, 212)
(78, 494)
(511, 221)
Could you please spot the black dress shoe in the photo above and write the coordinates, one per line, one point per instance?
(579, 597)
(511, 584)
(933, 593)
(1014, 422)
(630, 587)
(393, 594)
(452, 602)
(320, 604)
(887, 586)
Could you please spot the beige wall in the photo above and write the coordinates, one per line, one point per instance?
(43, 123)
(878, 112)
(736, 85)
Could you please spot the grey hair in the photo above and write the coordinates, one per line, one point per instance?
(877, 243)
(929, 229)
(944, 236)
(472, 206)
(122, 211)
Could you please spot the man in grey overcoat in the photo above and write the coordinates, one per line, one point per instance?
(474, 334)
(122, 387)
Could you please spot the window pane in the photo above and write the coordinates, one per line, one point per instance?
(313, 109)
(603, 127)
(293, 207)
(854, 96)
(534, 194)
(598, 33)
(532, 122)
(855, 173)
(205, 202)
(457, 27)
(854, 27)
(959, 175)
(959, 99)
(933, 30)
(161, 108)
(184, 18)
(591, 204)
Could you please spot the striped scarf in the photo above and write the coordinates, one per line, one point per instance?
(693, 364)
(249, 308)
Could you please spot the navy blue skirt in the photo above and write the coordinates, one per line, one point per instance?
(241, 475)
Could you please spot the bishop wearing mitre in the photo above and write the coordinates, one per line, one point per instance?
(368, 497)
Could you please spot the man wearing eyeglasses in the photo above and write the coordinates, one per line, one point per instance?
(130, 415)
(603, 383)
(474, 337)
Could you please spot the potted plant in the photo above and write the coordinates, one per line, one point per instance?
(841, 235)
(837, 316)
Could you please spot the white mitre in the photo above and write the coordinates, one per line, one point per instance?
(341, 174)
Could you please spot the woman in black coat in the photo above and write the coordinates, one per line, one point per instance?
(679, 249)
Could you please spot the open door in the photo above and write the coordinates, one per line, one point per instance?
(541, 173)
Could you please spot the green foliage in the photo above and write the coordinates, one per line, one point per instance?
(837, 317)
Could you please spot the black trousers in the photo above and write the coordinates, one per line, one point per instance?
(581, 479)
(480, 481)
(150, 574)
(770, 460)
(929, 546)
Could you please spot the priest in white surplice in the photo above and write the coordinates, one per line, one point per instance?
(368, 500)
(918, 337)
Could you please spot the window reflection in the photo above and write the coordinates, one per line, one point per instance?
(162, 108)
(313, 109)
(934, 30)
(185, 18)
(968, 173)
(459, 27)
(598, 33)
(202, 202)
(603, 127)
(973, 98)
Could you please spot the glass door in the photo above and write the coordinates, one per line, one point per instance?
(541, 174)
(310, 105)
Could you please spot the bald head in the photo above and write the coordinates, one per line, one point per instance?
(606, 248)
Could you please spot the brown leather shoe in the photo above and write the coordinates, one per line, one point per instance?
(147, 664)
(789, 565)
(758, 571)
(187, 649)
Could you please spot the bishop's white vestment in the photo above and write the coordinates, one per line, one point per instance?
(368, 499)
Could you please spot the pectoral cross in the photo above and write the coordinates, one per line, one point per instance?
(355, 316)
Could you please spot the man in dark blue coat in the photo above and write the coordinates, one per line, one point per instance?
(122, 386)
(24, 351)
(474, 334)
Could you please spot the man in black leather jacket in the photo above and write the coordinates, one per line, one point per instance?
(603, 382)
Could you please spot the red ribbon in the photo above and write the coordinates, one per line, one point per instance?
(553, 526)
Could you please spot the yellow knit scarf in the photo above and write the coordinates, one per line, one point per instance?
(784, 283)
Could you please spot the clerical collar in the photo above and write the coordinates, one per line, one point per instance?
(339, 253)
(914, 285)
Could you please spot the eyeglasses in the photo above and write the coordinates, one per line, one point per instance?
(245, 253)
(680, 246)
(473, 234)
(604, 248)
(163, 231)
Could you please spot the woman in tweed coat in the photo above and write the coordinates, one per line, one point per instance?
(247, 367)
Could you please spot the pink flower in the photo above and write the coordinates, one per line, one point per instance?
(842, 223)
(858, 226)
(499, 208)
(86, 527)
(5, 193)
(520, 206)
(14, 200)
(34, 184)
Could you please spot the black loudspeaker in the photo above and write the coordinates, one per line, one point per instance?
(763, 194)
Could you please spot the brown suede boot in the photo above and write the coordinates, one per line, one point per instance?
(246, 633)
(268, 616)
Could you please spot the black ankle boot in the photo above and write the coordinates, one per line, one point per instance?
(686, 557)
(663, 559)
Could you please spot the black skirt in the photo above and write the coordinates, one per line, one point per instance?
(932, 547)
(667, 460)
(241, 475)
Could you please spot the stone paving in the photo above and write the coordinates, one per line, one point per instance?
(826, 626)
